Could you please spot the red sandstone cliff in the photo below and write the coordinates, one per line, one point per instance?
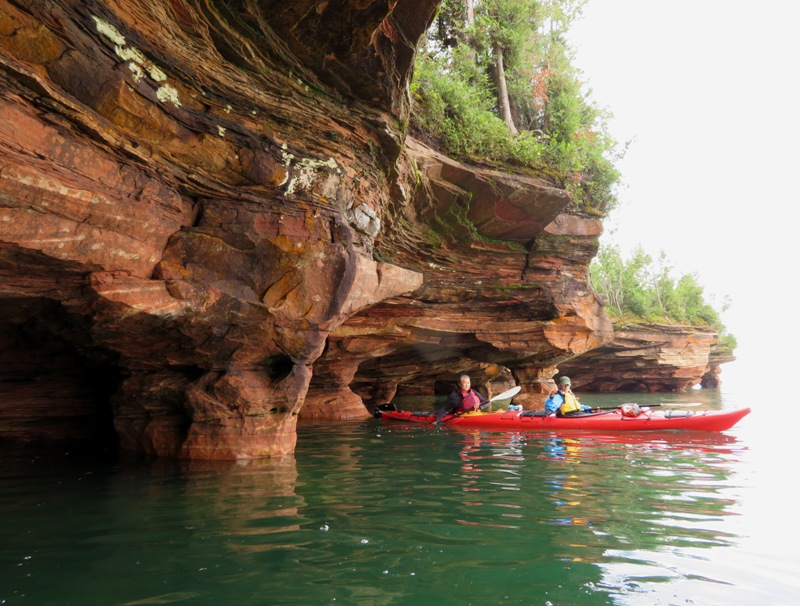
(190, 195)
(504, 286)
(211, 222)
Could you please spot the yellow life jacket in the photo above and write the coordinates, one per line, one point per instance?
(570, 404)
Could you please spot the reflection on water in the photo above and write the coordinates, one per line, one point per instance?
(377, 514)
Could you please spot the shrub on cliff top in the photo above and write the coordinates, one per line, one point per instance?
(493, 82)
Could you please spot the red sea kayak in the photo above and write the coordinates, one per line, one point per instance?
(611, 420)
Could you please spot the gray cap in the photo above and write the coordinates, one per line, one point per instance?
(564, 381)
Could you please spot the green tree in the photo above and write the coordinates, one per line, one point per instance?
(493, 81)
(643, 289)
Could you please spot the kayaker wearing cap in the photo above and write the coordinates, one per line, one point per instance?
(463, 399)
(562, 401)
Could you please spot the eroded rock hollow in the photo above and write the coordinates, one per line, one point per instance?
(212, 221)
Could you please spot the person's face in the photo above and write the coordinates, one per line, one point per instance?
(464, 382)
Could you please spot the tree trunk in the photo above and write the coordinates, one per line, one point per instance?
(503, 103)
(469, 23)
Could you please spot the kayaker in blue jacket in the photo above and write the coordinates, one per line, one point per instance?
(463, 399)
(562, 401)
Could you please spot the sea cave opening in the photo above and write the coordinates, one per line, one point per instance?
(55, 387)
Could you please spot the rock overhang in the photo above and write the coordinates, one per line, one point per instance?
(220, 191)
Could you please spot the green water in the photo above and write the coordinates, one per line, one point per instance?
(368, 513)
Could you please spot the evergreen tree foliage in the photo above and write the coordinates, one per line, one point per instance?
(493, 82)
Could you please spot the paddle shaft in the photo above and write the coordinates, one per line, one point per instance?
(616, 407)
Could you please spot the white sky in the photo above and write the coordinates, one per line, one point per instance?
(707, 91)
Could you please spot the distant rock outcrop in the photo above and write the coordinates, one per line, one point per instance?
(649, 357)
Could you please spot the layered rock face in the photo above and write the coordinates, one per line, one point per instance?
(505, 289)
(649, 358)
(212, 222)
